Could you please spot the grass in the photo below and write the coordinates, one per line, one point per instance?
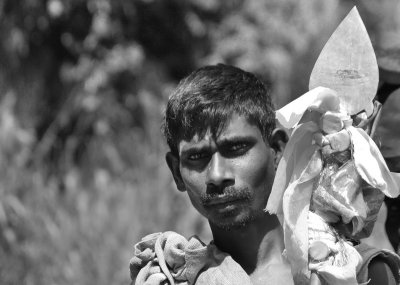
(79, 227)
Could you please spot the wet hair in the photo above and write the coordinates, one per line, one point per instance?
(208, 97)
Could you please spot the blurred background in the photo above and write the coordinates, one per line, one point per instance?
(83, 84)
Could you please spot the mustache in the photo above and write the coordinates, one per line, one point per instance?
(230, 192)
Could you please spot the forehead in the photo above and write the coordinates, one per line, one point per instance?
(236, 126)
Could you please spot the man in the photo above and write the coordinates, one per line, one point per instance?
(220, 127)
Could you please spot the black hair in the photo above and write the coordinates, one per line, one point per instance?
(207, 98)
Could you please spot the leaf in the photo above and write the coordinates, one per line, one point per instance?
(347, 64)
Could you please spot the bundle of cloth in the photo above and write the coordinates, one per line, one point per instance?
(329, 186)
(170, 258)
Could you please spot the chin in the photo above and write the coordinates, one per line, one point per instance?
(234, 223)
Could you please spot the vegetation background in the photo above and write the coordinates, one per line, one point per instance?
(83, 85)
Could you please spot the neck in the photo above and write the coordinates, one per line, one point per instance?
(256, 244)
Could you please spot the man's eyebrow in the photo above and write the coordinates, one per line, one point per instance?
(194, 148)
(235, 138)
(225, 141)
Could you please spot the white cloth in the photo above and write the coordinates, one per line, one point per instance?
(302, 163)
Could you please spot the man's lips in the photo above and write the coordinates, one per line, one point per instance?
(229, 195)
(221, 200)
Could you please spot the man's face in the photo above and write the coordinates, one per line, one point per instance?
(228, 178)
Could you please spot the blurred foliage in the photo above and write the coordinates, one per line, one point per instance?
(82, 88)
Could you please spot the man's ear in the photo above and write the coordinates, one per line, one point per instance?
(173, 164)
(279, 138)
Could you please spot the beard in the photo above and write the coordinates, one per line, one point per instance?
(238, 218)
(241, 223)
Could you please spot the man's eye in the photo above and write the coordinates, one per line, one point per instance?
(197, 156)
(238, 146)
(236, 149)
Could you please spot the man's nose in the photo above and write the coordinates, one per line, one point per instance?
(219, 172)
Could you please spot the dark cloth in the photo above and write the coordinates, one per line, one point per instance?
(368, 253)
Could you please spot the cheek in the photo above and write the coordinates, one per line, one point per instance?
(260, 171)
(194, 182)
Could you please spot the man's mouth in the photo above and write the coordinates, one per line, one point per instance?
(223, 200)
(230, 196)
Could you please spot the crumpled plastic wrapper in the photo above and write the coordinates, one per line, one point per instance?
(347, 193)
